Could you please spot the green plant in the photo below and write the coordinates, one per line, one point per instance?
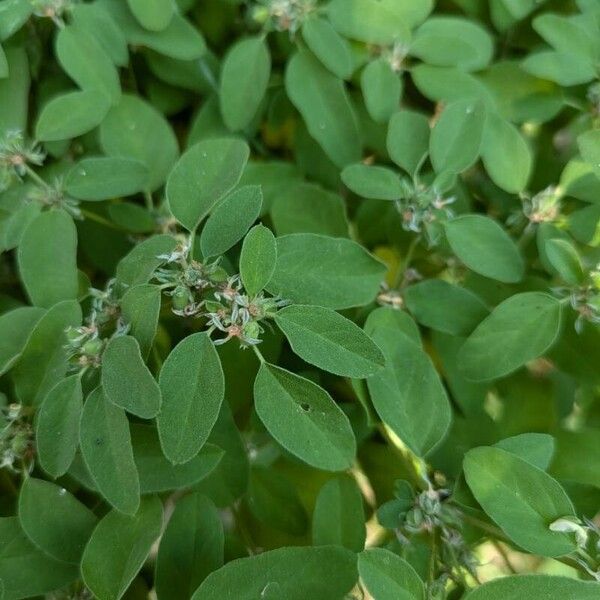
(300, 299)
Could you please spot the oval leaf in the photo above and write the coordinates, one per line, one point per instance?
(329, 341)
(106, 448)
(230, 220)
(520, 329)
(304, 419)
(126, 380)
(481, 244)
(118, 548)
(202, 176)
(193, 387)
(258, 259)
(520, 498)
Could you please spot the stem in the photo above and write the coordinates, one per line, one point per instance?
(406, 262)
(242, 530)
(192, 242)
(35, 177)
(502, 552)
(94, 217)
(432, 560)
(149, 200)
(259, 354)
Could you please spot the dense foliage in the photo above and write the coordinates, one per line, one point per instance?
(300, 299)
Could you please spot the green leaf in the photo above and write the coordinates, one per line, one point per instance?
(339, 517)
(308, 208)
(386, 576)
(432, 300)
(408, 139)
(391, 322)
(323, 103)
(135, 129)
(377, 183)
(457, 136)
(95, 20)
(88, 65)
(48, 259)
(54, 520)
(566, 35)
(571, 446)
(274, 501)
(483, 246)
(15, 328)
(203, 175)
(57, 426)
(453, 42)
(506, 155)
(328, 46)
(102, 178)
(157, 474)
(331, 272)
(408, 394)
(536, 448)
(304, 419)
(13, 15)
(193, 387)
(520, 498)
(589, 146)
(106, 448)
(379, 22)
(140, 308)
(127, 381)
(382, 90)
(326, 339)
(230, 220)
(191, 548)
(275, 574)
(244, 78)
(534, 587)
(566, 69)
(565, 260)
(118, 548)
(25, 570)
(520, 329)
(139, 265)
(179, 39)
(154, 15)
(70, 115)
(14, 90)
(3, 64)
(43, 362)
(258, 259)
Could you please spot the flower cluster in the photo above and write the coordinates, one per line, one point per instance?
(284, 15)
(52, 9)
(544, 207)
(15, 156)
(430, 512)
(205, 290)
(16, 439)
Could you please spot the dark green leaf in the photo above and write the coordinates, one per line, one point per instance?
(275, 574)
(202, 176)
(126, 380)
(54, 520)
(332, 272)
(193, 387)
(230, 220)
(304, 419)
(258, 259)
(329, 341)
(118, 548)
(191, 548)
(106, 448)
(57, 426)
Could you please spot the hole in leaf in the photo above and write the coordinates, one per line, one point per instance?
(305, 407)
